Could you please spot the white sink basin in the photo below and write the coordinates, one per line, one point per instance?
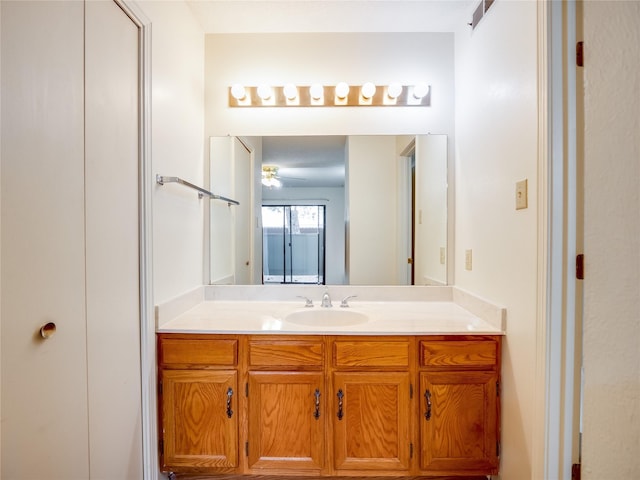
(326, 317)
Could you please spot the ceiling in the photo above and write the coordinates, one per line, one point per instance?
(324, 155)
(298, 16)
(307, 161)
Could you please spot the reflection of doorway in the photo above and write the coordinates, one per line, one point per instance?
(406, 215)
(412, 219)
(293, 244)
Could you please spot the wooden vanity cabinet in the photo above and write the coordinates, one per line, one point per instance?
(198, 402)
(286, 405)
(307, 405)
(459, 405)
(371, 405)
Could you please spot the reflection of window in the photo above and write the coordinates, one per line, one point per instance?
(293, 238)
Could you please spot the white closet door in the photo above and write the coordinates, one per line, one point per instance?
(44, 382)
(113, 287)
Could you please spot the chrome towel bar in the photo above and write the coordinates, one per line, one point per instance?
(161, 180)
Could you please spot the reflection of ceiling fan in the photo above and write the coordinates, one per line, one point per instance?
(270, 177)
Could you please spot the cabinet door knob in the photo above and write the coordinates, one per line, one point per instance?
(47, 330)
(316, 414)
(229, 395)
(427, 397)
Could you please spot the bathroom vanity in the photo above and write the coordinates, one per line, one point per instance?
(275, 394)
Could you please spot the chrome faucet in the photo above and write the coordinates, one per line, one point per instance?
(326, 300)
(345, 301)
(307, 301)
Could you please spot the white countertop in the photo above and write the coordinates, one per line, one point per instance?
(383, 318)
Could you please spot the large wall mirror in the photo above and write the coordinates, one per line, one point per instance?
(360, 210)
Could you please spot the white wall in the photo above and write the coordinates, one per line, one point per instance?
(232, 228)
(177, 147)
(221, 235)
(329, 58)
(431, 210)
(372, 205)
(611, 341)
(496, 146)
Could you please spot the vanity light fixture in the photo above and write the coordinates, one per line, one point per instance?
(339, 95)
(238, 91)
(342, 90)
(394, 90)
(264, 92)
(290, 91)
(316, 91)
(368, 90)
(420, 90)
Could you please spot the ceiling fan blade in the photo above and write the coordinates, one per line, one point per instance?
(291, 178)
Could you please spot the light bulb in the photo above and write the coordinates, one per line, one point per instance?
(342, 90)
(394, 90)
(420, 90)
(271, 182)
(238, 91)
(317, 91)
(368, 90)
(264, 92)
(290, 91)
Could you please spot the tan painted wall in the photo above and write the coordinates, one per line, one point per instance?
(496, 146)
(611, 416)
(177, 72)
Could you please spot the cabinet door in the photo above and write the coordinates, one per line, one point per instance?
(199, 419)
(458, 422)
(286, 421)
(371, 413)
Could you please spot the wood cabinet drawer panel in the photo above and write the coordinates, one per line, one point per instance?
(371, 353)
(286, 353)
(458, 353)
(199, 352)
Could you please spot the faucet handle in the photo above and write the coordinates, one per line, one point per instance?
(344, 301)
(307, 301)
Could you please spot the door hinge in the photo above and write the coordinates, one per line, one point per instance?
(497, 389)
(580, 266)
(580, 54)
(160, 388)
(246, 449)
(161, 446)
(411, 450)
(497, 448)
(575, 471)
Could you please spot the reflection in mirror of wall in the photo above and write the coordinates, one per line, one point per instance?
(384, 198)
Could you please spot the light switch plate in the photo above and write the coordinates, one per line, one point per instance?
(468, 260)
(521, 194)
(443, 255)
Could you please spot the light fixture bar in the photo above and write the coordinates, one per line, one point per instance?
(341, 95)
